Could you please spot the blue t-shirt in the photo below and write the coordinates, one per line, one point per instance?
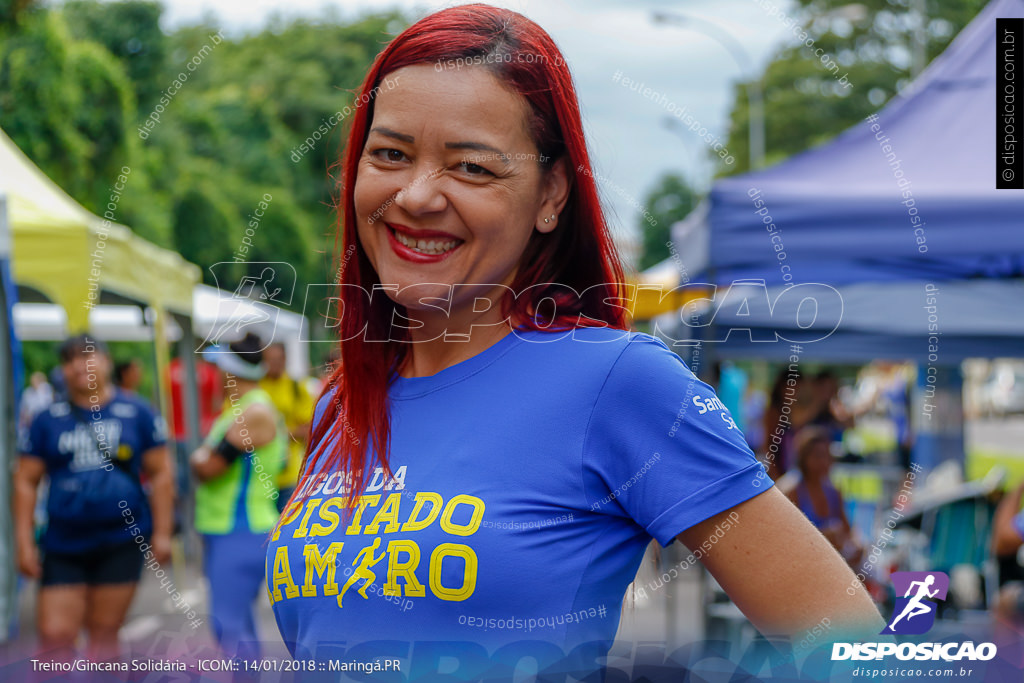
(89, 494)
(528, 481)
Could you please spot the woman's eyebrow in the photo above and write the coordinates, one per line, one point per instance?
(387, 132)
(479, 147)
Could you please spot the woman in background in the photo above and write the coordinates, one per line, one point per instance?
(790, 407)
(818, 498)
(237, 467)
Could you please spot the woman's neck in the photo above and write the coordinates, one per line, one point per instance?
(439, 341)
(430, 356)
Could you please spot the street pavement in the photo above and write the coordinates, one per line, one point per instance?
(156, 628)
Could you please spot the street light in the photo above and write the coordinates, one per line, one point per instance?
(755, 94)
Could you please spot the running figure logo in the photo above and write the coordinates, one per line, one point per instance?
(914, 613)
(362, 571)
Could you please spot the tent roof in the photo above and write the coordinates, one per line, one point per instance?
(838, 209)
(214, 312)
(942, 323)
(57, 243)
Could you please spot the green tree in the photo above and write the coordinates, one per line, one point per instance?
(67, 104)
(11, 13)
(872, 42)
(130, 31)
(671, 200)
(204, 222)
(78, 80)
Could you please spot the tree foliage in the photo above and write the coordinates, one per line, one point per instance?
(872, 42)
(669, 202)
(80, 81)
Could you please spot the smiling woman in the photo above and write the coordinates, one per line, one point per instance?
(494, 439)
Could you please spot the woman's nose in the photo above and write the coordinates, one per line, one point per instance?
(423, 194)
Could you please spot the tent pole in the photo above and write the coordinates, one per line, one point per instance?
(190, 386)
(10, 382)
(162, 358)
(193, 437)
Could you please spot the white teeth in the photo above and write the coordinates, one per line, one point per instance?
(433, 247)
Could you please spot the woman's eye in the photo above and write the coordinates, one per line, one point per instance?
(473, 169)
(392, 155)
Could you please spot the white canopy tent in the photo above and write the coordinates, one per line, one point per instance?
(216, 314)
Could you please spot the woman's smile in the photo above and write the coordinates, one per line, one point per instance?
(421, 246)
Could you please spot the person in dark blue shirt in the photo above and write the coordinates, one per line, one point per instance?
(102, 524)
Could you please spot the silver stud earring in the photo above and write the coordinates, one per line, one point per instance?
(547, 220)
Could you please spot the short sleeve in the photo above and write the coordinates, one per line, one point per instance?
(152, 428)
(31, 438)
(661, 448)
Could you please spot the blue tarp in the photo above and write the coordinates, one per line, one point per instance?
(909, 320)
(842, 211)
(889, 206)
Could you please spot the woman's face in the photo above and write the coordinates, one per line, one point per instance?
(819, 459)
(449, 187)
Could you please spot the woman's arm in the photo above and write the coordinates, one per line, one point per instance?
(159, 468)
(27, 476)
(256, 428)
(206, 464)
(782, 573)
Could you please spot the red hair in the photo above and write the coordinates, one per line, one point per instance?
(579, 254)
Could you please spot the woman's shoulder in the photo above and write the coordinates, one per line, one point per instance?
(622, 362)
(589, 343)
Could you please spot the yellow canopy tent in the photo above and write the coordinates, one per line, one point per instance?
(654, 296)
(76, 259)
(667, 287)
(658, 290)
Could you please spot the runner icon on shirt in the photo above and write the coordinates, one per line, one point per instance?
(362, 571)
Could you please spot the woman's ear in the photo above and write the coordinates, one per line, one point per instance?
(557, 183)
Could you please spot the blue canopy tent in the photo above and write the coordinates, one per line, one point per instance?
(896, 203)
(917, 255)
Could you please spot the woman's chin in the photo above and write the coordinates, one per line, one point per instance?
(428, 298)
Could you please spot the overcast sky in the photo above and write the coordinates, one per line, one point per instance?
(630, 145)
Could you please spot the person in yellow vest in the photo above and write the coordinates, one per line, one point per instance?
(237, 467)
(295, 404)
